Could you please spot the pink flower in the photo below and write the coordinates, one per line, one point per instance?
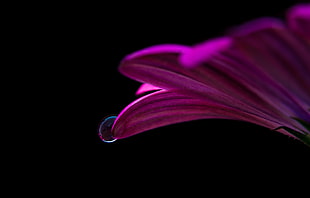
(259, 73)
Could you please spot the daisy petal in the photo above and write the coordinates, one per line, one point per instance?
(203, 51)
(217, 84)
(146, 88)
(269, 49)
(169, 107)
(259, 73)
(298, 19)
(163, 48)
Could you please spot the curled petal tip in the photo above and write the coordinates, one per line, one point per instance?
(298, 18)
(204, 51)
(301, 10)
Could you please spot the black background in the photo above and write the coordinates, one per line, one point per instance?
(87, 42)
(69, 83)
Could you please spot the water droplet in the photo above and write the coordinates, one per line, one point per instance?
(105, 127)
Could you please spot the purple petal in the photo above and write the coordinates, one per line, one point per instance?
(169, 107)
(298, 19)
(260, 74)
(267, 59)
(163, 48)
(273, 49)
(203, 51)
(146, 88)
(222, 83)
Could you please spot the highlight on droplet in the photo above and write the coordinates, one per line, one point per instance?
(104, 130)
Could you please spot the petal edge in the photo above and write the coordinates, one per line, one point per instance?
(170, 107)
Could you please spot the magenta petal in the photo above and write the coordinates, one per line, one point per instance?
(231, 82)
(145, 88)
(169, 107)
(259, 74)
(204, 51)
(298, 19)
(163, 48)
(223, 84)
(281, 56)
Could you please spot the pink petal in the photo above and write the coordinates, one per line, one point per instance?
(145, 88)
(222, 84)
(281, 56)
(203, 51)
(169, 107)
(265, 60)
(259, 75)
(298, 18)
(163, 48)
